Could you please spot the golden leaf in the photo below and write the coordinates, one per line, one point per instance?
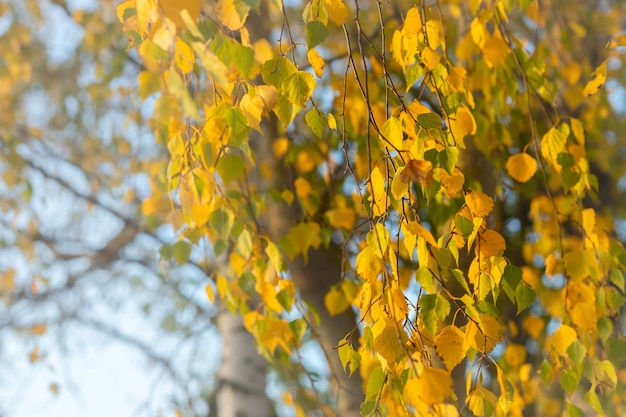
(416, 170)
(594, 86)
(335, 302)
(337, 11)
(452, 183)
(341, 218)
(496, 51)
(316, 61)
(491, 243)
(229, 13)
(378, 192)
(485, 337)
(562, 338)
(38, 329)
(451, 346)
(430, 57)
(480, 204)
(521, 167)
(184, 56)
(368, 265)
(419, 230)
(515, 354)
(433, 386)
(462, 123)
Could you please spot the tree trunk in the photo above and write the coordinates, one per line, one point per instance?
(240, 390)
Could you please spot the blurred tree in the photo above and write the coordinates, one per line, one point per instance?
(78, 266)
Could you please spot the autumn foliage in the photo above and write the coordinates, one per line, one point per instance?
(458, 162)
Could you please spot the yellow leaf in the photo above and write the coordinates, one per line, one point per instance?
(462, 123)
(337, 11)
(578, 131)
(146, 15)
(521, 167)
(368, 264)
(208, 289)
(378, 192)
(451, 346)
(38, 329)
(412, 22)
(184, 56)
(562, 338)
(496, 51)
(552, 264)
(378, 240)
(619, 40)
(121, 8)
(491, 243)
(398, 187)
(7, 280)
(485, 335)
(478, 32)
(232, 13)
(419, 230)
(430, 57)
(515, 354)
(172, 9)
(452, 183)
(34, 355)
(389, 339)
(416, 170)
(581, 304)
(392, 132)
(432, 387)
(274, 256)
(480, 204)
(341, 218)
(316, 61)
(594, 86)
(303, 189)
(335, 302)
(252, 107)
(478, 400)
(332, 122)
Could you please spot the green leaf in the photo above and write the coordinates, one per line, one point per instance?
(545, 371)
(316, 33)
(276, 70)
(298, 87)
(524, 296)
(464, 226)
(573, 411)
(448, 158)
(592, 399)
(511, 277)
(238, 128)
(617, 278)
(231, 52)
(605, 329)
(570, 379)
(285, 299)
(375, 383)
(316, 121)
(230, 167)
(181, 251)
(285, 110)
(412, 74)
(577, 352)
(246, 282)
(221, 221)
(429, 121)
